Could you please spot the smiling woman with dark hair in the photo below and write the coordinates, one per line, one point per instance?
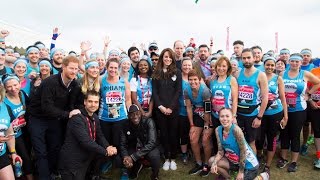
(166, 89)
(141, 88)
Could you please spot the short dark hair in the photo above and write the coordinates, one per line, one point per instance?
(247, 50)
(238, 42)
(203, 46)
(38, 42)
(91, 93)
(256, 47)
(132, 49)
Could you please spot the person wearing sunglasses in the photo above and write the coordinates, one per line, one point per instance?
(154, 59)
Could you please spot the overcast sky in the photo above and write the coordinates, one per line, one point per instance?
(128, 21)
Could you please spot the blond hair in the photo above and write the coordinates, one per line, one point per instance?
(85, 87)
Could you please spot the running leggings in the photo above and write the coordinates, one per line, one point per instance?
(23, 149)
(315, 122)
(184, 128)
(269, 129)
(291, 134)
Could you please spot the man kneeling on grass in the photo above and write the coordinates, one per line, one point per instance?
(138, 144)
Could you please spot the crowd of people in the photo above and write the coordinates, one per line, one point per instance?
(79, 115)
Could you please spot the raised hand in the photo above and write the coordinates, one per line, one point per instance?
(4, 33)
(107, 41)
(143, 46)
(85, 46)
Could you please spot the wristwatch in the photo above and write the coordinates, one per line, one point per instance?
(260, 118)
(205, 127)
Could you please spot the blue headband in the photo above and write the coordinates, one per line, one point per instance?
(235, 61)
(125, 59)
(46, 62)
(306, 51)
(189, 49)
(53, 51)
(40, 46)
(9, 77)
(90, 64)
(295, 58)
(32, 49)
(93, 56)
(269, 58)
(2, 51)
(114, 52)
(284, 51)
(20, 61)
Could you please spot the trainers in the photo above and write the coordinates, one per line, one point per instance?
(205, 171)
(173, 165)
(304, 150)
(282, 163)
(185, 158)
(166, 165)
(196, 169)
(124, 174)
(292, 167)
(310, 140)
(317, 164)
(266, 169)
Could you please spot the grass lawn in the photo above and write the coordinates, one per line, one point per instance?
(305, 171)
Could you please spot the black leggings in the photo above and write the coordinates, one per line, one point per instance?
(215, 123)
(269, 129)
(23, 150)
(315, 122)
(291, 134)
(184, 128)
(168, 126)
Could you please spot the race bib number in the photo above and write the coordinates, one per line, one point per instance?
(291, 99)
(18, 123)
(114, 97)
(246, 93)
(316, 96)
(232, 156)
(217, 103)
(272, 97)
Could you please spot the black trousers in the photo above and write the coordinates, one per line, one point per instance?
(153, 157)
(47, 139)
(78, 174)
(169, 138)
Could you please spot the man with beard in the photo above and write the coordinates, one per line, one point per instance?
(49, 113)
(33, 56)
(257, 56)
(190, 52)
(84, 141)
(252, 98)
(178, 48)
(56, 56)
(237, 48)
(134, 55)
(203, 66)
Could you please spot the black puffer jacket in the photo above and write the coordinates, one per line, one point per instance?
(142, 137)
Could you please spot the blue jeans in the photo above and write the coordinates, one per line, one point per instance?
(47, 139)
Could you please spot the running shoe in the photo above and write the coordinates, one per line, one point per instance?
(292, 167)
(310, 140)
(317, 164)
(173, 165)
(166, 165)
(282, 163)
(196, 169)
(205, 171)
(304, 150)
(124, 174)
(185, 158)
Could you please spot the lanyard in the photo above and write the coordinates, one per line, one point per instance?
(204, 65)
(92, 134)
